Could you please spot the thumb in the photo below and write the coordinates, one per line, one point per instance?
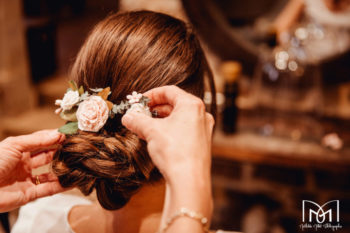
(139, 123)
(37, 140)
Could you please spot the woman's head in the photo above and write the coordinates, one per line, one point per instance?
(134, 51)
(337, 5)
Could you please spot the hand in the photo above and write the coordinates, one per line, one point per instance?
(180, 146)
(18, 156)
(181, 139)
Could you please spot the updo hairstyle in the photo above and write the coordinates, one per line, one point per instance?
(133, 51)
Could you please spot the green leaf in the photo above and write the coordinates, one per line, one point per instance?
(81, 90)
(69, 128)
(69, 115)
(73, 85)
(145, 100)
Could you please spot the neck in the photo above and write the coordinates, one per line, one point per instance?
(142, 213)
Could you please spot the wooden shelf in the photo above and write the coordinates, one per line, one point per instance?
(250, 147)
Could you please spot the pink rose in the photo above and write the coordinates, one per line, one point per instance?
(92, 114)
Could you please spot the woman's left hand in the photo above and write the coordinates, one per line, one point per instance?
(18, 156)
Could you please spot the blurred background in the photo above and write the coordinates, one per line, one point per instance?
(282, 71)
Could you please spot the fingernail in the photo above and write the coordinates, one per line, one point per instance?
(54, 134)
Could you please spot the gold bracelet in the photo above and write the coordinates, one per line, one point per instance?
(184, 212)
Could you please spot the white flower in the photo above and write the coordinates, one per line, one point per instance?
(70, 99)
(58, 111)
(134, 97)
(140, 108)
(58, 102)
(92, 114)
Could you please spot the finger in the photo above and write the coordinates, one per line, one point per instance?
(42, 158)
(47, 189)
(165, 95)
(44, 178)
(210, 122)
(162, 110)
(37, 140)
(139, 123)
(180, 100)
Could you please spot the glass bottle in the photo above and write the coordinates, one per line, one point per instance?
(231, 70)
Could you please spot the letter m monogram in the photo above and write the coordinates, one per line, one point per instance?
(319, 211)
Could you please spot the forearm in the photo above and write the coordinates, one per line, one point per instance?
(192, 191)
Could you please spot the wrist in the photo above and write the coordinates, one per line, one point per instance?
(188, 171)
(189, 176)
(193, 191)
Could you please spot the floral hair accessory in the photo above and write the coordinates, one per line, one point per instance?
(90, 112)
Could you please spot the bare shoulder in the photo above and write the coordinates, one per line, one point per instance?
(87, 218)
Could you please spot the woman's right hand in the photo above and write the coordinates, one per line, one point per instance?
(180, 146)
(182, 138)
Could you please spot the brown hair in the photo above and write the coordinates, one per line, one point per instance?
(133, 51)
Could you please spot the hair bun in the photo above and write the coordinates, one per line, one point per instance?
(109, 196)
(116, 166)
